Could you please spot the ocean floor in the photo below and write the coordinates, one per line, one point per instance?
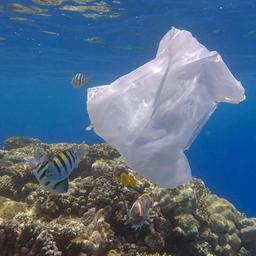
(91, 219)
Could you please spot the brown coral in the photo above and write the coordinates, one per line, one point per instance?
(21, 240)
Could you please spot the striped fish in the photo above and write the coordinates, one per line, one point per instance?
(53, 173)
(79, 80)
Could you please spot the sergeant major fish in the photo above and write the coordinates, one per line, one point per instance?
(53, 173)
(79, 80)
(139, 211)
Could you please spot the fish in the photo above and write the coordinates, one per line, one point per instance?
(126, 178)
(53, 174)
(138, 213)
(79, 80)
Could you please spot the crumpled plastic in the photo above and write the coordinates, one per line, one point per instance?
(154, 113)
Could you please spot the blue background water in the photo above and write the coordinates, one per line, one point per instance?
(36, 98)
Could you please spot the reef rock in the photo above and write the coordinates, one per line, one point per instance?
(19, 142)
(20, 239)
(91, 219)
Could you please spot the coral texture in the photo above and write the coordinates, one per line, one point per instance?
(91, 219)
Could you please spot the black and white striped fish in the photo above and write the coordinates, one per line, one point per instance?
(79, 80)
(53, 173)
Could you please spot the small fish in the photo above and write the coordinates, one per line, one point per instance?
(49, 33)
(126, 178)
(53, 173)
(94, 40)
(139, 212)
(79, 80)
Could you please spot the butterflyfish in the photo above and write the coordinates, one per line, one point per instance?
(138, 213)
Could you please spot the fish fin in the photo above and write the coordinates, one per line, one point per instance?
(82, 150)
(61, 187)
(136, 227)
(38, 159)
(146, 222)
(127, 222)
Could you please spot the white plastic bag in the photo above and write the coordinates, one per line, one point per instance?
(154, 113)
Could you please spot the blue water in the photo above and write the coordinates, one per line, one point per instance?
(36, 98)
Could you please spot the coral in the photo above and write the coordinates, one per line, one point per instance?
(154, 241)
(19, 142)
(21, 240)
(6, 185)
(222, 219)
(96, 236)
(74, 202)
(13, 177)
(99, 167)
(102, 151)
(208, 223)
(248, 234)
(91, 218)
(10, 208)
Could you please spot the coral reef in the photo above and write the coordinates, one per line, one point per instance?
(30, 240)
(91, 219)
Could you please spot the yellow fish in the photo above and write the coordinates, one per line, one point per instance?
(126, 179)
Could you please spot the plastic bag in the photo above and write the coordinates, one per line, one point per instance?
(154, 113)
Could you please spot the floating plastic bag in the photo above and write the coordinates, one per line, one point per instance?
(154, 113)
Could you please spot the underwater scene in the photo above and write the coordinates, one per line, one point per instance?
(127, 128)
